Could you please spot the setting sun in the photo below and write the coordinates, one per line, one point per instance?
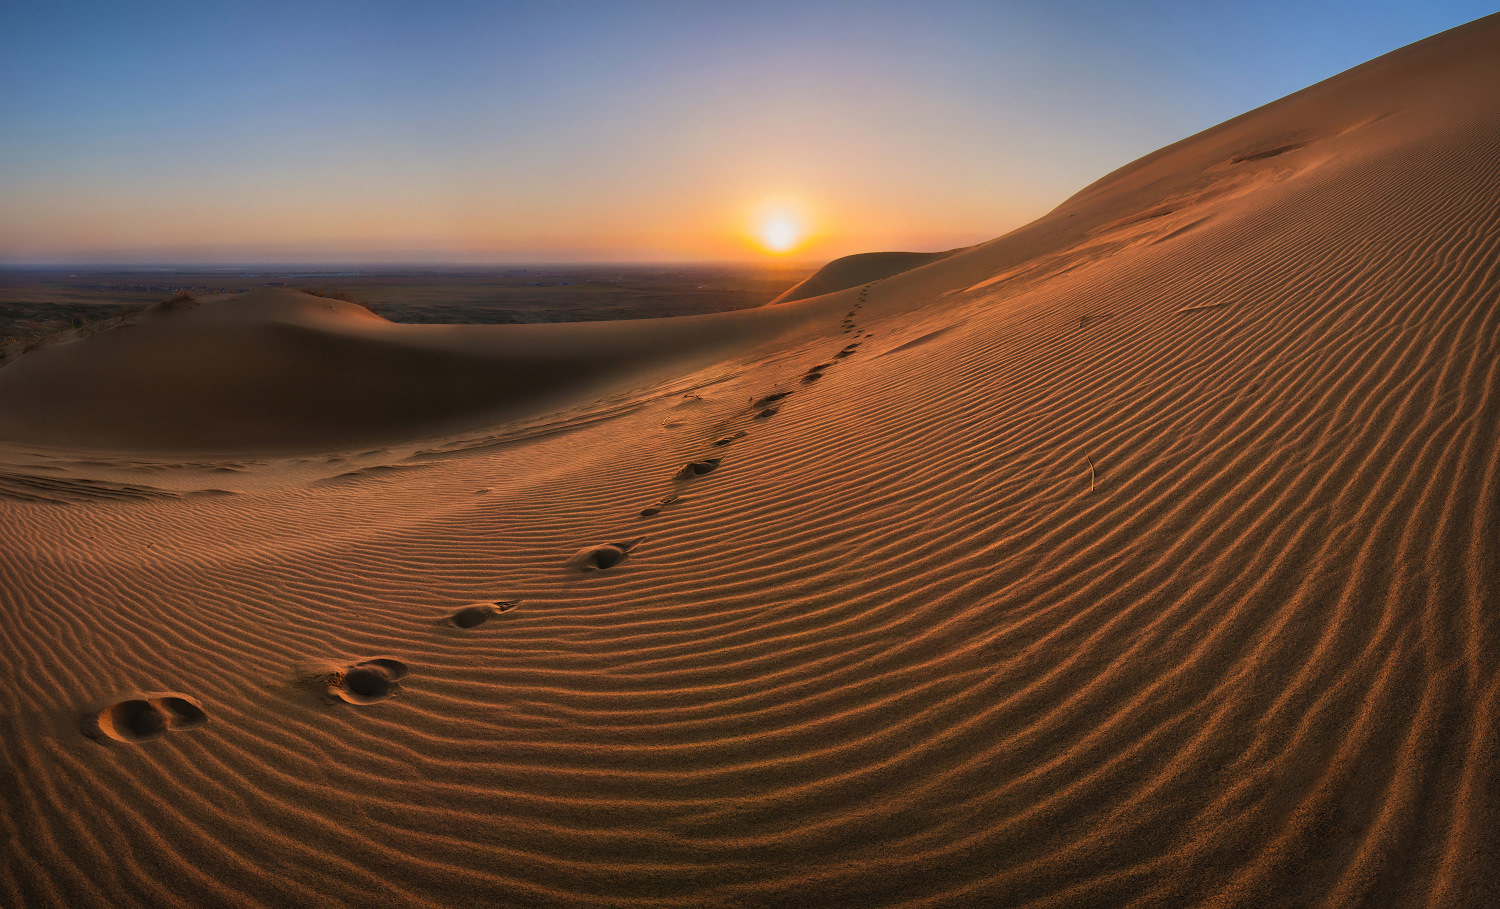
(780, 234)
(780, 227)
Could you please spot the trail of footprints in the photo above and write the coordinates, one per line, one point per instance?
(143, 717)
(762, 407)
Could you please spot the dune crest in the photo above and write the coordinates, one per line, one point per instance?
(1144, 556)
(861, 268)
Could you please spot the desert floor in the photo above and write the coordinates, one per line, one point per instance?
(1144, 556)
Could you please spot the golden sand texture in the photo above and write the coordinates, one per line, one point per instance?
(1146, 556)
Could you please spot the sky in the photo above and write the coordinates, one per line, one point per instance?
(561, 131)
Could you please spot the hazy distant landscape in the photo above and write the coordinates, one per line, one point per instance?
(37, 302)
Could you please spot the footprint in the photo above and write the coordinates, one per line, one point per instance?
(144, 717)
(479, 613)
(727, 439)
(769, 399)
(654, 510)
(369, 681)
(600, 558)
(812, 377)
(699, 468)
(768, 413)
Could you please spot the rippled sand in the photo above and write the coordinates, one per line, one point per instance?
(1145, 556)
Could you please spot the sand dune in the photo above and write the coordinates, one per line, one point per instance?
(852, 271)
(1145, 556)
(280, 370)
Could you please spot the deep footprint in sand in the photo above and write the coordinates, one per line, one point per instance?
(731, 438)
(698, 468)
(369, 681)
(366, 682)
(772, 398)
(144, 717)
(768, 413)
(602, 558)
(477, 614)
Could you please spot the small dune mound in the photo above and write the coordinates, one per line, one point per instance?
(276, 370)
(144, 717)
(852, 271)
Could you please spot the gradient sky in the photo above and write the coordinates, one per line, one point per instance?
(393, 132)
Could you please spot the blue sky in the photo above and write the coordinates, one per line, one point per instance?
(497, 132)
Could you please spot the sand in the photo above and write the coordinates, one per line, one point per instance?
(1144, 556)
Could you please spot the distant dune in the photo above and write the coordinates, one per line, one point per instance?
(280, 370)
(1145, 556)
(852, 271)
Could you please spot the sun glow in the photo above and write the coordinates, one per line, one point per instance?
(780, 228)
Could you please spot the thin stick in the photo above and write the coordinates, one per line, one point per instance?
(1091, 472)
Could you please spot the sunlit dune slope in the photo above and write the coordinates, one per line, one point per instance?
(1142, 557)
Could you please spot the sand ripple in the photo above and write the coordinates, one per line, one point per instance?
(1164, 575)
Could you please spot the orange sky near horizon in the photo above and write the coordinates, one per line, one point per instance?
(711, 209)
(474, 133)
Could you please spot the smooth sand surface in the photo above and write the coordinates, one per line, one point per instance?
(1145, 556)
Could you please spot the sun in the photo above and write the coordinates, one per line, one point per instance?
(780, 228)
(780, 234)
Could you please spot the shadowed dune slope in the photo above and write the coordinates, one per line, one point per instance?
(862, 268)
(1143, 557)
(278, 369)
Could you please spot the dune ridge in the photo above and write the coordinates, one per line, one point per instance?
(1144, 556)
(858, 269)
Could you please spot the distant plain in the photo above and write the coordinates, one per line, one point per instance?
(36, 303)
